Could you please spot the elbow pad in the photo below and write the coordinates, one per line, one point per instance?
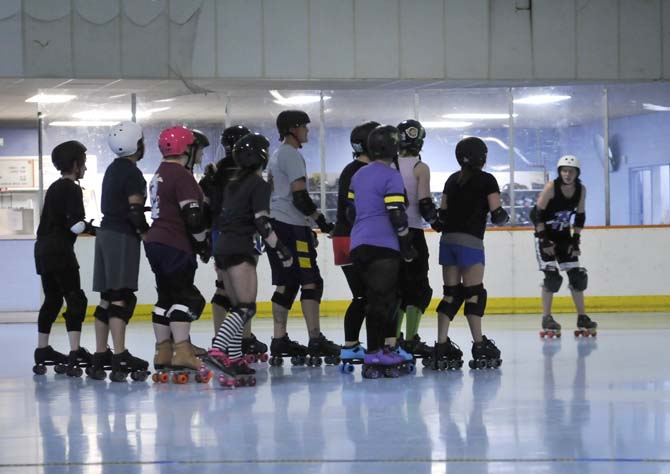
(137, 219)
(499, 216)
(263, 226)
(537, 215)
(398, 219)
(580, 219)
(303, 202)
(428, 210)
(192, 214)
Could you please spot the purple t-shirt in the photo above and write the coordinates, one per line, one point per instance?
(171, 185)
(372, 187)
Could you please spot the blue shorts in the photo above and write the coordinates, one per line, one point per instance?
(460, 256)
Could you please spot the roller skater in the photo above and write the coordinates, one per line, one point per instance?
(355, 314)
(177, 234)
(292, 213)
(246, 212)
(62, 220)
(379, 241)
(468, 197)
(550, 328)
(415, 290)
(556, 248)
(117, 244)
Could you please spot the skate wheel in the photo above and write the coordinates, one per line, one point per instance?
(471, 364)
(594, 334)
(558, 335)
(348, 368)
(182, 378)
(60, 369)
(370, 373)
(542, 334)
(250, 358)
(238, 382)
(74, 372)
(317, 362)
(163, 377)
(426, 361)
(411, 368)
(154, 378)
(117, 377)
(39, 369)
(138, 376)
(263, 357)
(577, 333)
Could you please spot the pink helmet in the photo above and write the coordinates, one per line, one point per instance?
(175, 141)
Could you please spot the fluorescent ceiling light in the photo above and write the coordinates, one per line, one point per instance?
(542, 99)
(172, 99)
(51, 98)
(655, 108)
(83, 123)
(446, 124)
(296, 99)
(117, 96)
(118, 114)
(478, 116)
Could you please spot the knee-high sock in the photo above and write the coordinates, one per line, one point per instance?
(413, 315)
(229, 337)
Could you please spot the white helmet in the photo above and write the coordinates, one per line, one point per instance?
(569, 160)
(123, 138)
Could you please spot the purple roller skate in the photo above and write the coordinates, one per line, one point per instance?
(383, 363)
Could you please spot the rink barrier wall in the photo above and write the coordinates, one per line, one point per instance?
(627, 269)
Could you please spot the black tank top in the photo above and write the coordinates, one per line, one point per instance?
(560, 209)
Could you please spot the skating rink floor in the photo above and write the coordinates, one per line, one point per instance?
(588, 406)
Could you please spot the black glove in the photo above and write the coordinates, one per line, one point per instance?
(284, 254)
(90, 229)
(325, 227)
(437, 225)
(407, 251)
(545, 243)
(203, 249)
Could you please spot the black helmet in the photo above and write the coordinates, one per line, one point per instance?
(412, 134)
(383, 143)
(200, 139)
(230, 136)
(471, 152)
(251, 151)
(288, 119)
(359, 137)
(65, 155)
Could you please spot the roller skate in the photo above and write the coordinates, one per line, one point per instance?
(446, 356)
(320, 346)
(485, 355)
(183, 363)
(46, 356)
(124, 364)
(281, 347)
(418, 348)
(162, 361)
(197, 351)
(550, 328)
(382, 363)
(100, 362)
(233, 372)
(351, 356)
(76, 360)
(254, 350)
(585, 327)
(408, 365)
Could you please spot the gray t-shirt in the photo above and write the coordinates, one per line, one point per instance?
(285, 166)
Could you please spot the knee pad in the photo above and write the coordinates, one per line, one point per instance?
(223, 301)
(122, 312)
(100, 312)
(159, 316)
(76, 309)
(552, 281)
(312, 293)
(478, 307)
(285, 299)
(578, 279)
(423, 298)
(247, 311)
(188, 307)
(456, 294)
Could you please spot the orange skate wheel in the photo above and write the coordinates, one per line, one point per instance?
(154, 378)
(163, 377)
(182, 378)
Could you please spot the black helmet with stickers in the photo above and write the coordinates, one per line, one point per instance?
(230, 136)
(65, 155)
(412, 135)
(359, 137)
(251, 151)
(201, 139)
(288, 119)
(383, 143)
(471, 153)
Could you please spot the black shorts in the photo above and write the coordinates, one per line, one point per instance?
(561, 260)
(224, 262)
(299, 241)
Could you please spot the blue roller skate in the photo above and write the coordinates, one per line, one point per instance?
(409, 365)
(351, 356)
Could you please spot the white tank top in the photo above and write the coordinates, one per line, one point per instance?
(407, 165)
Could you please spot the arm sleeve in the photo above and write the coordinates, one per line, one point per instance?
(187, 188)
(491, 185)
(136, 184)
(260, 197)
(74, 205)
(293, 165)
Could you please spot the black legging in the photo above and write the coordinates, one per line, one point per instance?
(353, 318)
(56, 286)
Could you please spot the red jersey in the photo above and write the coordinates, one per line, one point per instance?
(171, 187)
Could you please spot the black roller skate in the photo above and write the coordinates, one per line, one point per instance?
(550, 328)
(446, 356)
(254, 350)
(281, 347)
(100, 362)
(485, 355)
(351, 356)
(418, 348)
(320, 346)
(124, 364)
(585, 327)
(76, 360)
(46, 356)
(232, 372)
